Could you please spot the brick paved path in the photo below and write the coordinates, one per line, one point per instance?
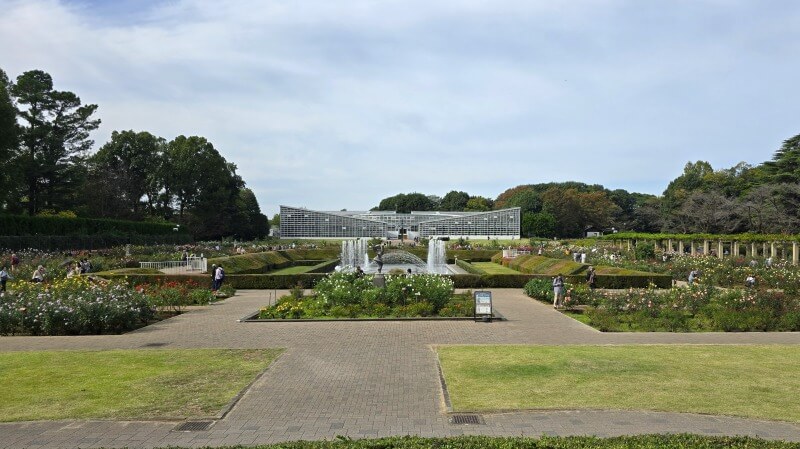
(367, 379)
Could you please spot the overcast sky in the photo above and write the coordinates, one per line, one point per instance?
(338, 104)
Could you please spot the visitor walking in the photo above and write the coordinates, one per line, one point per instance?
(219, 276)
(213, 277)
(14, 262)
(558, 291)
(590, 278)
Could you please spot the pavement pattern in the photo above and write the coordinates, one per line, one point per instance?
(368, 379)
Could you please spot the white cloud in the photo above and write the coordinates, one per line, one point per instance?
(339, 104)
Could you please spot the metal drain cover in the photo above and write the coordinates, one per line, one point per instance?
(193, 426)
(466, 419)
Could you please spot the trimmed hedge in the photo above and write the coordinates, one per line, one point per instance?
(468, 267)
(534, 264)
(663, 441)
(21, 225)
(747, 237)
(324, 267)
(252, 263)
(327, 253)
(308, 280)
(99, 241)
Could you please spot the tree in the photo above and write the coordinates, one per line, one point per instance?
(130, 164)
(9, 138)
(454, 201)
(405, 203)
(250, 223)
(539, 224)
(772, 208)
(479, 204)
(693, 178)
(54, 140)
(706, 212)
(202, 184)
(785, 163)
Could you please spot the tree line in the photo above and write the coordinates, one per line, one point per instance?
(48, 168)
(763, 198)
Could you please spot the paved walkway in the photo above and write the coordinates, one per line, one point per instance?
(367, 379)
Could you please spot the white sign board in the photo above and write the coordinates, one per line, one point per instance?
(483, 303)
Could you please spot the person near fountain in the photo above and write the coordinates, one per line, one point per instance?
(359, 271)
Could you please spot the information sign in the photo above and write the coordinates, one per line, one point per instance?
(483, 303)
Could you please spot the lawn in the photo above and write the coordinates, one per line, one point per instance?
(293, 270)
(129, 384)
(493, 268)
(750, 381)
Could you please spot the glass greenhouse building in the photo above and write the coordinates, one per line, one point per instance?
(298, 222)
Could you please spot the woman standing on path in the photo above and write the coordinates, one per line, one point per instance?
(558, 291)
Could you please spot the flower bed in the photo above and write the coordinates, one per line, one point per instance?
(346, 295)
(73, 306)
(696, 308)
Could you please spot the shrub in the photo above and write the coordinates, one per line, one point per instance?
(350, 295)
(73, 306)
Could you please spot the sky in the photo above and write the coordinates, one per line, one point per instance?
(338, 104)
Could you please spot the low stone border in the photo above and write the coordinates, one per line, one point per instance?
(251, 318)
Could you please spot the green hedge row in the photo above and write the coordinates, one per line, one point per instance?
(252, 263)
(324, 267)
(20, 225)
(468, 267)
(327, 253)
(699, 237)
(663, 441)
(100, 241)
(308, 280)
(534, 264)
(477, 255)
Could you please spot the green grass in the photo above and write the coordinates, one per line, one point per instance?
(131, 384)
(534, 264)
(293, 270)
(750, 381)
(493, 268)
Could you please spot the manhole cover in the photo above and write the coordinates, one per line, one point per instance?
(466, 419)
(154, 345)
(193, 426)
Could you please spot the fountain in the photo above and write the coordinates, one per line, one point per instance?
(437, 257)
(354, 253)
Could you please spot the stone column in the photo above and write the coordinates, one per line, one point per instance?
(629, 244)
(692, 248)
(669, 245)
(720, 248)
(753, 250)
(680, 247)
(772, 252)
(795, 253)
(764, 250)
(656, 245)
(735, 249)
(706, 247)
